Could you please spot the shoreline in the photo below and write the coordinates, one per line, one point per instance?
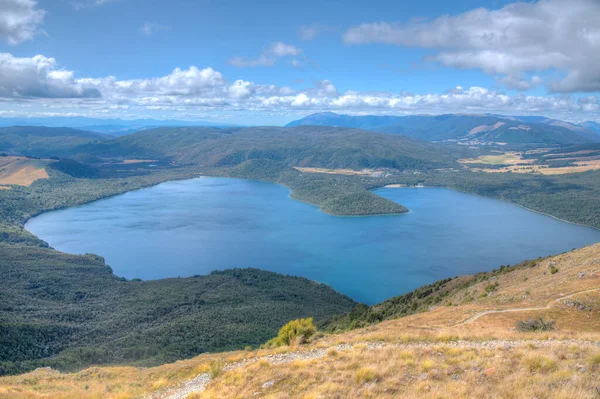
(393, 185)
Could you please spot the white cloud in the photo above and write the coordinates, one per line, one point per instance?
(268, 57)
(20, 20)
(39, 83)
(519, 38)
(308, 32)
(38, 77)
(81, 4)
(150, 28)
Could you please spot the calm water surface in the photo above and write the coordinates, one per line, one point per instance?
(195, 226)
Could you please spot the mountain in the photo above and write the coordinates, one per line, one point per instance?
(325, 147)
(42, 141)
(465, 129)
(113, 127)
(594, 126)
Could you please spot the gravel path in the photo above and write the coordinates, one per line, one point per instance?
(548, 306)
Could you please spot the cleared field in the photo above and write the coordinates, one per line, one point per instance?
(579, 167)
(22, 171)
(509, 158)
(348, 172)
(134, 161)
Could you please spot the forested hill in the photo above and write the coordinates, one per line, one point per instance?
(41, 141)
(327, 147)
(483, 128)
(70, 311)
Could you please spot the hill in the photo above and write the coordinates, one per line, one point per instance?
(327, 147)
(41, 141)
(70, 311)
(530, 330)
(466, 129)
(594, 126)
(113, 127)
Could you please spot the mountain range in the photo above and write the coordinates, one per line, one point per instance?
(466, 129)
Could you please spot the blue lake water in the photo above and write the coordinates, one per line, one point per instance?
(192, 227)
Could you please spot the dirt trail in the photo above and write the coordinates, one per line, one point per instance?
(198, 384)
(548, 306)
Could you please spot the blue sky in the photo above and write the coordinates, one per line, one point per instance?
(269, 62)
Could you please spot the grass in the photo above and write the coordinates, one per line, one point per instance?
(22, 171)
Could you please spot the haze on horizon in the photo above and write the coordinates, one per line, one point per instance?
(204, 60)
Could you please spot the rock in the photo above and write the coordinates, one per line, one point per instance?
(581, 274)
(490, 371)
(424, 376)
(267, 384)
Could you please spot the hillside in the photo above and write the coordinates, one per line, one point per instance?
(467, 129)
(299, 146)
(70, 311)
(467, 344)
(41, 141)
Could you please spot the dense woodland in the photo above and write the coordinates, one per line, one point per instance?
(70, 311)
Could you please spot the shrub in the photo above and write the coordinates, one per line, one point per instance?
(366, 374)
(491, 287)
(296, 330)
(533, 325)
(553, 270)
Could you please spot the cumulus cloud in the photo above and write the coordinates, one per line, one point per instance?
(520, 38)
(268, 57)
(150, 28)
(38, 76)
(39, 82)
(20, 20)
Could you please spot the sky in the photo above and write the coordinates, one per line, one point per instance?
(270, 62)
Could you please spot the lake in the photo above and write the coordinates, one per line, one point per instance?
(192, 227)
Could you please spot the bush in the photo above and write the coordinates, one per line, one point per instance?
(492, 287)
(533, 325)
(299, 329)
(553, 270)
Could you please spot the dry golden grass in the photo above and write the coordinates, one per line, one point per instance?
(349, 172)
(133, 161)
(22, 171)
(428, 355)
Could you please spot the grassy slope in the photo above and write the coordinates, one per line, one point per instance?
(436, 353)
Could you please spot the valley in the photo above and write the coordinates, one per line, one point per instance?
(102, 168)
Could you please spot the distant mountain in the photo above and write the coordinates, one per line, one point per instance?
(327, 147)
(114, 127)
(41, 141)
(594, 126)
(463, 129)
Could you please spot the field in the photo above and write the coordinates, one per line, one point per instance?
(347, 172)
(510, 158)
(467, 346)
(22, 171)
(541, 161)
